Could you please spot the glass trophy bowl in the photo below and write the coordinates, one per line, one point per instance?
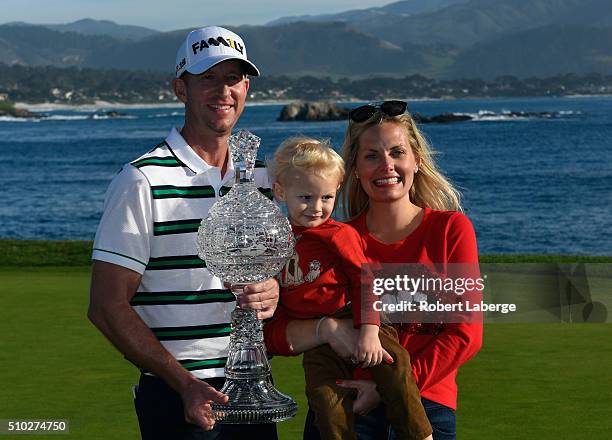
(245, 239)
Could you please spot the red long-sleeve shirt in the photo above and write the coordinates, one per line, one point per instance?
(443, 237)
(325, 273)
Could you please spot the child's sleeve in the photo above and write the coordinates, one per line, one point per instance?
(347, 243)
(275, 333)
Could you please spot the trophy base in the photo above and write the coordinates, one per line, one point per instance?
(253, 401)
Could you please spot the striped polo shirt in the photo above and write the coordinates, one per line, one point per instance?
(152, 212)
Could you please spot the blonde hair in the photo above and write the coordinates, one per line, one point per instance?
(429, 189)
(305, 154)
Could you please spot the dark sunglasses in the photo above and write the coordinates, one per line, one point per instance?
(389, 108)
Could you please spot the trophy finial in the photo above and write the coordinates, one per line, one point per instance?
(243, 147)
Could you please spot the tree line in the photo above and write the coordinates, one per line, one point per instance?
(80, 86)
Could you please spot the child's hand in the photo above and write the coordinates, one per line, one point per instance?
(368, 351)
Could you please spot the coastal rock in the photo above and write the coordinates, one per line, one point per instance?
(111, 114)
(115, 114)
(530, 114)
(19, 113)
(313, 111)
(441, 118)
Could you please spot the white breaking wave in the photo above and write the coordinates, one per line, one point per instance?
(13, 119)
(165, 115)
(96, 116)
(97, 106)
(510, 115)
(64, 118)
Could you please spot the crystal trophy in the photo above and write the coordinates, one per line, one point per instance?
(246, 239)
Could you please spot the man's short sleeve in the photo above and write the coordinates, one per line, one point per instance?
(123, 235)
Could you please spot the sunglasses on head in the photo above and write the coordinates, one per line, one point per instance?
(389, 108)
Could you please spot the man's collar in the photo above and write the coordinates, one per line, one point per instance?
(189, 157)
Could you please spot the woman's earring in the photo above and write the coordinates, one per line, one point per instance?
(416, 169)
(356, 175)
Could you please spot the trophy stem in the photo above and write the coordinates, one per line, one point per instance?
(252, 396)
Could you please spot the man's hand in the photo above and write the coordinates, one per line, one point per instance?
(367, 396)
(197, 399)
(262, 297)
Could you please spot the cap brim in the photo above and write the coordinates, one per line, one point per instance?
(210, 62)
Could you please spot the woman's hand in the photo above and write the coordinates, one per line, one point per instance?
(367, 396)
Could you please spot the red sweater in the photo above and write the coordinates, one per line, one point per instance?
(443, 237)
(324, 274)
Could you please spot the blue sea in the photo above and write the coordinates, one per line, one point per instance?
(537, 183)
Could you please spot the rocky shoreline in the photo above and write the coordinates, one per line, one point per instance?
(17, 112)
(303, 111)
(313, 111)
(317, 111)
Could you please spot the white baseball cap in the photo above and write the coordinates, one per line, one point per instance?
(206, 47)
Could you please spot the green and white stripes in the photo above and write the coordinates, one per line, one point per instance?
(192, 332)
(175, 262)
(168, 161)
(195, 192)
(176, 227)
(192, 364)
(193, 297)
(184, 192)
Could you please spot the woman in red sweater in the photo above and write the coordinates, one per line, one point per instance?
(406, 212)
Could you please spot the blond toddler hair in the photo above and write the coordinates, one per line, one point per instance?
(307, 155)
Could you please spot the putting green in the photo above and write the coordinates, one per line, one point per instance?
(545, 381)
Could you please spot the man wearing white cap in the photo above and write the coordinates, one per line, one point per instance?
(151, 296)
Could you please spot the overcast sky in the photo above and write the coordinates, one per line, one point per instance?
(168, 15)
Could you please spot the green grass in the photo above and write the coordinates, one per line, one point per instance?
(45, 253)
(6, 106)
(545, 381)
(78, 253)
(55, 364)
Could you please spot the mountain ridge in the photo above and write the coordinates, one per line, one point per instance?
(452, 39)
(89, 26)
(404, 8)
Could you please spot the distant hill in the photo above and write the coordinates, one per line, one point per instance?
(39, 46)
(156, 53)
(464, 22)
(471, 22)
(435, 38)
(359, 16)
(295, 49)
(332, 49)
(538, 52)
(88, 26)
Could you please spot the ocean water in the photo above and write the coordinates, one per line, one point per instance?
(540, 183)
